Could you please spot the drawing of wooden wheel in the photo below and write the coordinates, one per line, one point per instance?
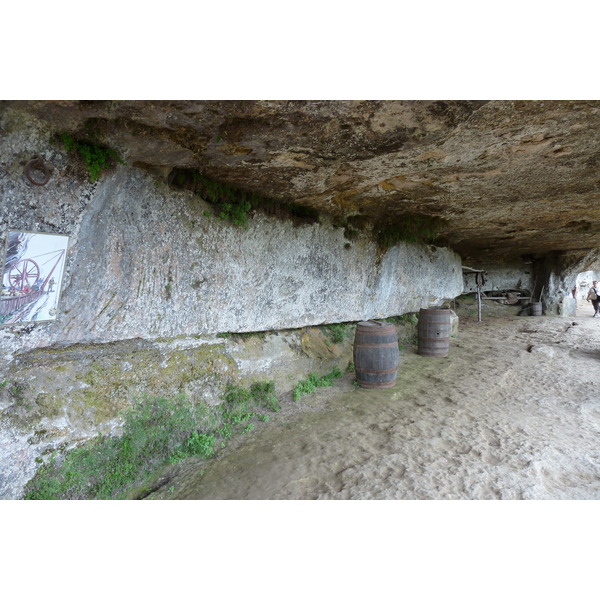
(23, 274)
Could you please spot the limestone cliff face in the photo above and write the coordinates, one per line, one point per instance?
(146, 262)
(152, 275)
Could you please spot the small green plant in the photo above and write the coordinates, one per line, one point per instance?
(242, 404)
(235, 204)
(16, 390)
(263, 394)
(200, 444)
(337, 332)
(236, 213)
(225, 432)
(410, 318)
(96, 158)
(237, 407)
(312, 382)
(411, 228)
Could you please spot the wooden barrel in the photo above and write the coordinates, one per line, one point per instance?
(376, 354)
(434, 332)
(536, 309)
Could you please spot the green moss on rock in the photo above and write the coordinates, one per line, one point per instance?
(90, 384)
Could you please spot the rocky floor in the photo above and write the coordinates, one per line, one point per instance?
(513, 412)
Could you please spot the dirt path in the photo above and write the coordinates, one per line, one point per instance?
(513, 412)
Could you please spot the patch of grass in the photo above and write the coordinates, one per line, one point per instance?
(313, 381)
(156, 431)
(337, 332)
(198, 444)
(95, 157)
(237, 406)
(225, 432)
(410, 341)
(243, 404)
(263, 394)
(410, 318)
(407, 335)
(352, 225)
(232, 204)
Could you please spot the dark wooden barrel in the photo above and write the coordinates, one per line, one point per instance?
(536, 309)
(376, 354)
(434, 332)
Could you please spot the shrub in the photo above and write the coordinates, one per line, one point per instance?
(95, 158)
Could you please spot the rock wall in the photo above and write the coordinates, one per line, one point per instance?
(516, 276)
(560, 272)
(151, 277)
(148, 262)
(55, 398)
(584, 281)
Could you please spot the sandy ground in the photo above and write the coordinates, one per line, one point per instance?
(512, 413)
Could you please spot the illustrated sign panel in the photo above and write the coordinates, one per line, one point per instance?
(32, 277)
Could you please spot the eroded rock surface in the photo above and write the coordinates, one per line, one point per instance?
(509, 177)
(153, 273)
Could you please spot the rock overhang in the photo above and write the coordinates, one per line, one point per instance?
(506, 178)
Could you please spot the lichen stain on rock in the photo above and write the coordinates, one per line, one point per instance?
(315, 345)
(90, 385)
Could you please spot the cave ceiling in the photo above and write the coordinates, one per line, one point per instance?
(509, 178)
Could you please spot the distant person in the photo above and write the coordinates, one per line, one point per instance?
(574, 291)
(594, 296)
(51, 284)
